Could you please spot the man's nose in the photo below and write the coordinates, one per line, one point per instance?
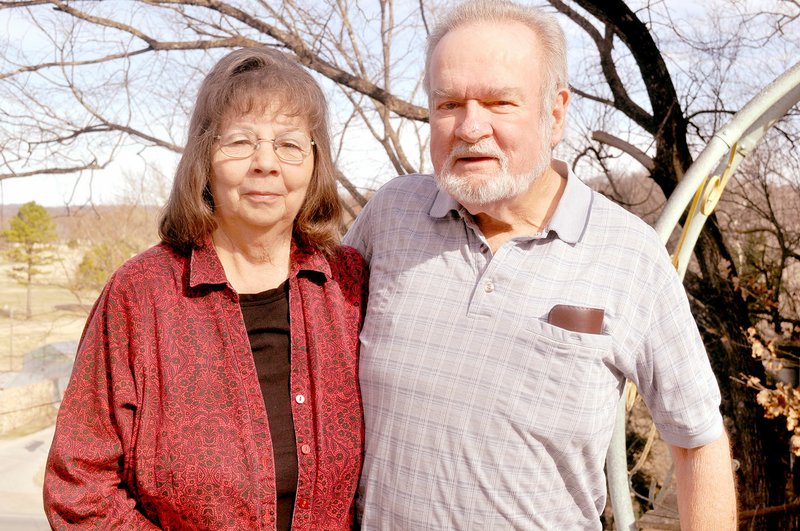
(476, 123)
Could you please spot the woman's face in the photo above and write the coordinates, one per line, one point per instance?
(257, 191)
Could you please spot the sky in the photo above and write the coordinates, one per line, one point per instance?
(112, 185)
(361, 158)
(100, 187)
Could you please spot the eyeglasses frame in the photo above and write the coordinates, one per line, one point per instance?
(257, 145)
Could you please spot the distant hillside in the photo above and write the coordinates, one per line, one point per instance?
(102, 222)
(97, 222)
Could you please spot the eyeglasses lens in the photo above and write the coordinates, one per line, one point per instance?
(291, 147)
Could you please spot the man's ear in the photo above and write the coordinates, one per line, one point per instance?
(559, 114)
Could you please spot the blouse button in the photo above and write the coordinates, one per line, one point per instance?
(488, 287)
(305, 448)
(300, 399)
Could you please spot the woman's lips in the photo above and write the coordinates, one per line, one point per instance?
(262, 196)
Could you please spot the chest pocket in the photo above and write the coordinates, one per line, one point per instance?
(563, 388)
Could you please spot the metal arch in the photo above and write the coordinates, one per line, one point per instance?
(700, 189)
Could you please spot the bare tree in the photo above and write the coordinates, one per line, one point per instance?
(634, 83)
(114, 78)
(110, 77)
(760, 222)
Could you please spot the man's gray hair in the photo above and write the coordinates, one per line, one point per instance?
(544, 26)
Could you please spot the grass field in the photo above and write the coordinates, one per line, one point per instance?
(58, 314)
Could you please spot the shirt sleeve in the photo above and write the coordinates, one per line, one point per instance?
(358, 235)
(85, 484)
(674, 375)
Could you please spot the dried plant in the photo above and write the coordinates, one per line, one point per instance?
(782, 400)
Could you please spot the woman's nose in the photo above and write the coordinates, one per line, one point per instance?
(264, 159)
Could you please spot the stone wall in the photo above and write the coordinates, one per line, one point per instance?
(34, 404)
(10, 363)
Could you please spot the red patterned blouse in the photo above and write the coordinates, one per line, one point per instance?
(163, 423)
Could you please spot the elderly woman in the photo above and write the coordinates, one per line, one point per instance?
(215, 386)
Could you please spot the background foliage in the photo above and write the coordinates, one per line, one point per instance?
(96, 85)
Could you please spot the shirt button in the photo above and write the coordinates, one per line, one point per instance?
(300, 399)
(303, 503)
(488, 287)
(484, 248)
(305, 448)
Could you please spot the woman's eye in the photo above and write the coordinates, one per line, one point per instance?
(236, 138)
(288, 144)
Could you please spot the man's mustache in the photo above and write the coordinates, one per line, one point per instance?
(484, 148)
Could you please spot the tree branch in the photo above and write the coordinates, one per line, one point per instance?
(638, 155)
(605, 46)
(307, 57)
(54, 171)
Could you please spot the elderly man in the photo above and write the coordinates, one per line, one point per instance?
(508, 304)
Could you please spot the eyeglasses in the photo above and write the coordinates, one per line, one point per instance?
(292, 148)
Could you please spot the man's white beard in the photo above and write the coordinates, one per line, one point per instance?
(499, 187)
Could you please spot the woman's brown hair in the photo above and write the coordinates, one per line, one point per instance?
(244, 81)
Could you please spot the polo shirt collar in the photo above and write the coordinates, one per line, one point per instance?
(443, 204)
(569, 219)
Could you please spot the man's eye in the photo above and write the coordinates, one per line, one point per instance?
(448, 106)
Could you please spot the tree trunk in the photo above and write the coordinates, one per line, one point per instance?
(28, 286)
(760, 446)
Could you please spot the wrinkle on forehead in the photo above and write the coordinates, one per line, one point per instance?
(276, 118)
(492, 60)
(255, 102)
(484, 91)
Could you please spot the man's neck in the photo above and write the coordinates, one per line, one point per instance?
(524, 215)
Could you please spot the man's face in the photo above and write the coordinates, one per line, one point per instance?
(490, 137)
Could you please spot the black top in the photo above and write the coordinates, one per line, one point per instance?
(266, 316)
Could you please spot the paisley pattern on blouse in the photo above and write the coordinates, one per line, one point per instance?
(163, 424)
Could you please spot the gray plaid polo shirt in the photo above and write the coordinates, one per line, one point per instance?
(479, 413)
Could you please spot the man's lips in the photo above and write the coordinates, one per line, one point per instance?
(475, 159)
